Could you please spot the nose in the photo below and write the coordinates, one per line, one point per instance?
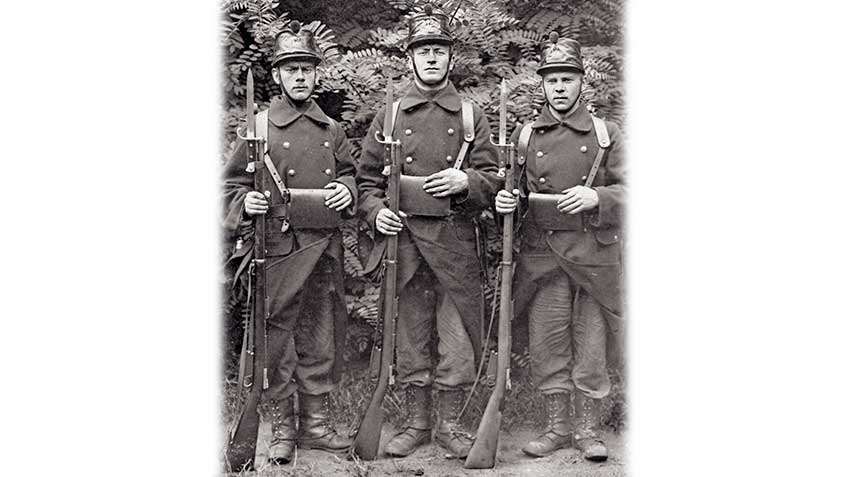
(559, 86)
(299, 76)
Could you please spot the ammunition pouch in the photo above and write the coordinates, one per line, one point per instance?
(415, 201)
(543, 211)
(306, 210)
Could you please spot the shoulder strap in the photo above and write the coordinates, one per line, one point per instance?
(601, 132)
(604, 142)
(524, 142)
(467, 132)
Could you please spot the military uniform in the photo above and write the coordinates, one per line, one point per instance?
(438, 268)
(568, 277)
(306, 310)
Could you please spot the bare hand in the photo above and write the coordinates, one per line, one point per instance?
(340, 198)
(388, 223)
(446, 182)
(505, 202)
(578, 199)
(255, 203)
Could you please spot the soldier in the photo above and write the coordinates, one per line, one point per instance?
(306, 307)
(568, 270)
(449, 174)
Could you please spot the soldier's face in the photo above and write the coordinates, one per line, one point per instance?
(562, 89)
(297, 78)
(432, 62)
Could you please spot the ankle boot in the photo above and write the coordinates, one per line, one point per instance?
(417, 428)
(450, 433)
(558, 427)
(283, 431)
(585, 436)
(316, 431)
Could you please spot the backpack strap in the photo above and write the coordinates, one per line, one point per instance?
(524, 142)
(603, 141)
(467, 133)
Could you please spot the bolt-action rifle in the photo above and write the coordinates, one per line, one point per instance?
(485, 447)
(241, 444)
(366, 444)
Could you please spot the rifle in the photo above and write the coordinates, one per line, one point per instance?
(485, 447)
(366, 444)
(241, 445)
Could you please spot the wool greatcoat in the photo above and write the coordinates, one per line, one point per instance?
(307, 318)
(560, 273)
(429, 127)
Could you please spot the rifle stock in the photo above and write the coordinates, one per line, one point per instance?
(485, 447)
(366, 444)
(241, 445)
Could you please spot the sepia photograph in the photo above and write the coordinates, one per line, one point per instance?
(423, 234)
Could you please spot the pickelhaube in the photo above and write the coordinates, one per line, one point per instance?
(428, 26)
(561, 54)
(296, 43)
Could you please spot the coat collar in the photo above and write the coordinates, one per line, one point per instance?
(578, 118)
(282, 112)
(446, 97)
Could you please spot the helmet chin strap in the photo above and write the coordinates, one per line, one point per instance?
(442, 81)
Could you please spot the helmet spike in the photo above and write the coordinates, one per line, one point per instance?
(554, 37)
(295, 26)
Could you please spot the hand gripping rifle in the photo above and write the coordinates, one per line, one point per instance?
(366, 444)
(241, 444)
(485, 447)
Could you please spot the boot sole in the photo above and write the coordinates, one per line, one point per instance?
(325, 449)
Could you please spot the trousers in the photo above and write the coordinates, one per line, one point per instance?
(567, 334)
(305, 331)
(425, 307)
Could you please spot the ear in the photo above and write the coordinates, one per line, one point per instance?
(275, 74)
(409, 64)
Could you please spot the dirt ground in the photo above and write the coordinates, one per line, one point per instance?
(430, 460)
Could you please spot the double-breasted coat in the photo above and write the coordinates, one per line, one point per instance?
(429, 126)
(559, 156)
(309, 150)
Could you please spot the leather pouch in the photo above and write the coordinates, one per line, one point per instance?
(414, 201)
(307, 210)
(543, 210)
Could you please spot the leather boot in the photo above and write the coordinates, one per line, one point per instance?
(585, 436)
(417, 428)
(558, 428)
(450, 433)
(283, 431)
(316, 431)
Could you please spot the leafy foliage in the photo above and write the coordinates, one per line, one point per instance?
(363, 43)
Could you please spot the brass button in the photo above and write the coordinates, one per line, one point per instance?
(286, 145)
(615, 237)
(326, 143)
(583, 178)
(583, 148)
(408, 159)
(542, 180)
(291, 172)
(407, 132)
(540, 154)
(449, 158)
(328, 172)
(550, 232)
(450, 131)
